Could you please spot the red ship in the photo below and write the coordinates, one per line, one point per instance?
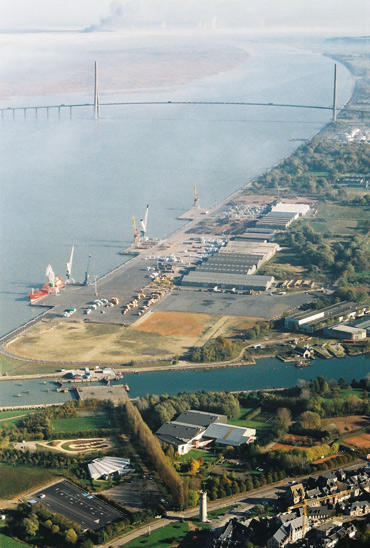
(53, 286)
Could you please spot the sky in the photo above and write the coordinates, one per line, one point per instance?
(331, 16)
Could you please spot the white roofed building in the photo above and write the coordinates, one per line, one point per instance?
(227, 434)
(100, 468)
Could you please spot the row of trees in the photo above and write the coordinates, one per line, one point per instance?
(151, 448)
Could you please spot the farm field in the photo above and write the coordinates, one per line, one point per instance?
(346, 424)
(361, 440)
(161, 335)
(338, 219)
(19, 479)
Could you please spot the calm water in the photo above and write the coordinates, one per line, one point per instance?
(78, 182)
(267, 373)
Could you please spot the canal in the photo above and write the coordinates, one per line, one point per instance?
(266, 373)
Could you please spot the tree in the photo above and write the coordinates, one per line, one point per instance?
(71, 536)
(30, 525)
(284, 417)
(310, 420)
(193, 497)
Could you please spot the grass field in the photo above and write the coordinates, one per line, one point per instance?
(260, 423)
(161, 335)
(14, 417)
(162, 538)
(362, 441)
(79, 424)
(336, 219)
(19, 479)
(7, 542)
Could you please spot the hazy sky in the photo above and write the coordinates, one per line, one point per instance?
(344, 16)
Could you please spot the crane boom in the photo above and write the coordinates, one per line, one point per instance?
(86, 280)
(136, 233)
(69, 264)
(50, 274)
(196, 197)
(144, 222)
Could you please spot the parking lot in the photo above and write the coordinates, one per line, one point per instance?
(76, 505)
(265, 305)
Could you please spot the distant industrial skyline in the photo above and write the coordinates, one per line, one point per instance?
(329, 16)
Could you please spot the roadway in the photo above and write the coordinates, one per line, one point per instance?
(245, 501)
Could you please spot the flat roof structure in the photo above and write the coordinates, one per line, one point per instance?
(255, 236)
(301, 209)
(227, 434)
(200, 418)
(227, 281)
(346, 332)
(77, 505)
(342, 311)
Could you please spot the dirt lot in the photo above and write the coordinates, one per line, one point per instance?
(161, 335)
(361, 441)
(346, 424)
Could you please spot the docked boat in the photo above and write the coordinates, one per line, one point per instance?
(126, 387)
(53, 286)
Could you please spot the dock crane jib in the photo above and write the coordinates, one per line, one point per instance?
(69, 279)
(144, 222)
(50, 274)
(196, 198)
(136, 232)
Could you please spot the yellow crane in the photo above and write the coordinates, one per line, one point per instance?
(312, 502)
(136, 232)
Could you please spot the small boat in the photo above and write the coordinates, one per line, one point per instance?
(44, 382)
(302, 363)
(18, 395)
(126, 387)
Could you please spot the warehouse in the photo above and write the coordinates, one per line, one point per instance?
(309, 321)
(181, 436)
(300, 209)
(342, 331)
(221, 280)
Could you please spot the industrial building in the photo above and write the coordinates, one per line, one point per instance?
(194, 429)
(228, 281)
(233, 267)
(342, 331)
(310, 321)
(301, 209)
(282, 215)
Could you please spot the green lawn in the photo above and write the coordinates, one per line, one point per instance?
(7, 542)
(80, 424)
(18, 479)
(259, 423)
(162, 538)
(13, 417)
(195, 454)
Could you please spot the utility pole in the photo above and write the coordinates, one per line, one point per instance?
(335, 94)
(96, 93)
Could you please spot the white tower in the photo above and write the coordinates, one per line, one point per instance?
(203, 507)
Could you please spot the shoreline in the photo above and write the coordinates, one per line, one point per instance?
(10, 336)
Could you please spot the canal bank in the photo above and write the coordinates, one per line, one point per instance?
(267, 373)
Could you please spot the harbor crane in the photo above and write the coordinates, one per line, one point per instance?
(144, 223)
(51, 277)
(196, 198)
(136, 232)
(87, 276)
(69, 279)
